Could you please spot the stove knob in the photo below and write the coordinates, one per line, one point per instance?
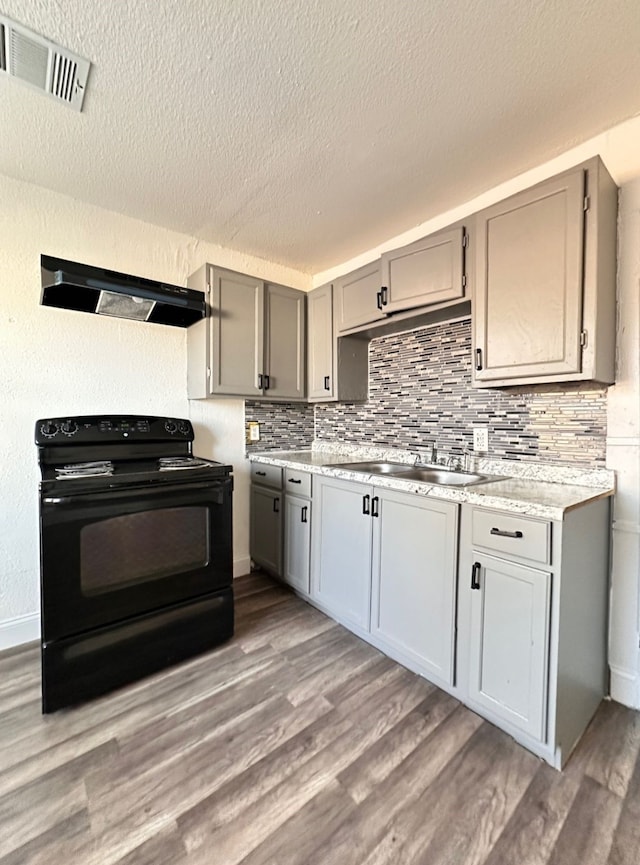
(183, 427)
(69, 427)
(49, 429)
(170, 426)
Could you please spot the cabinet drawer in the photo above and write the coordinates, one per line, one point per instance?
(267, 476)
(512, 535)
(298, 483)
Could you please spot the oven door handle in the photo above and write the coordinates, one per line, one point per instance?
(137, 493)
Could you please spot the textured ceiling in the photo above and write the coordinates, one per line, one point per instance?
(308, 132)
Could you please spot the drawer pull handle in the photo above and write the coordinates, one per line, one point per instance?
(294, 481)
(475, 574)
(327, 386)
(262, 474)
(379, 300)
(383, 295)
(267, 382)
(365, 505)
(304, 514)
(502, 533)
(478, 359)
(276, 506)
(374, 507)
(260, 382)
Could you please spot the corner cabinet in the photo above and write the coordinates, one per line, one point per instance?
(252, 342)
(265, 530)
(337, 368)
(544, 302)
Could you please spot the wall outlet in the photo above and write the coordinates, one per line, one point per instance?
(253, 431)
(481, 439)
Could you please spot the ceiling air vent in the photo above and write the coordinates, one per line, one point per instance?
(42, 64)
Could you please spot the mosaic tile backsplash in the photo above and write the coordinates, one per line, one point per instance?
(283, 426)
(420, 392)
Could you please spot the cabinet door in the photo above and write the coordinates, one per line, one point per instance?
(237, 341)
(528, 298)
(341, 549)
(414, 578)
(320, 343)
(297, 542)
(426, 272)
(266, 529)
(510, 642)
(357, 297)
(285, 343)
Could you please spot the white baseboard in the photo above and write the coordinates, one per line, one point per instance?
(624, 687)
(22, 629)
(241, 567)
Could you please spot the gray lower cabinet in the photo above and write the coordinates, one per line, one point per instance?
(414, 581)
(385, 563)
(265, 517)
(429, 271)
(297, 542)
(510, 611)
(341, 550)
(266, 528)
(252, 342)
(544, 301)
(532, 623)
(337, 368)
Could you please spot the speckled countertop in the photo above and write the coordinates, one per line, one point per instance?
(534, 489)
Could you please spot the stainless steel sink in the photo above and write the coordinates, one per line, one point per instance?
(444, 477)
(426, 474)
(373, 468)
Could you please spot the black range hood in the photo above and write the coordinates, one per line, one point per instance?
(70, 285)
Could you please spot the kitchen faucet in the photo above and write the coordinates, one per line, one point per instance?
(433, 459)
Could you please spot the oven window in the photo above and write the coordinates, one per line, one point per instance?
(144, 546)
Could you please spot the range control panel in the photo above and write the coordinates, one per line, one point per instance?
(90, 429)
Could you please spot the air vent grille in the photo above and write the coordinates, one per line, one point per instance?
(42, 64)
(63, 79)
(3, 53)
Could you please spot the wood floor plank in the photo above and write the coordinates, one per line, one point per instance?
(625, 849)
(587, 834)
(52, 798)
(390, 749)
(534, 826)
(296, 743)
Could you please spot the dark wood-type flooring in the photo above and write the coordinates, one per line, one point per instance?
(298, 744)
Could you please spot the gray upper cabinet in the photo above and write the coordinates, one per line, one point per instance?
(544, 302)
(427, 272)
(337, 368)
(252, 342)
(285, 333)
(321, 381)
(357, 297)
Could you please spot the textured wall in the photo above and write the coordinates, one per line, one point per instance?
(420, 392)
(56, 362)
(286, 425)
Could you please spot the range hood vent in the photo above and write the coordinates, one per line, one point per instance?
(42, 64)
(69, 285)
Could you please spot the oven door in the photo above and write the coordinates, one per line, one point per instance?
(112, 554)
